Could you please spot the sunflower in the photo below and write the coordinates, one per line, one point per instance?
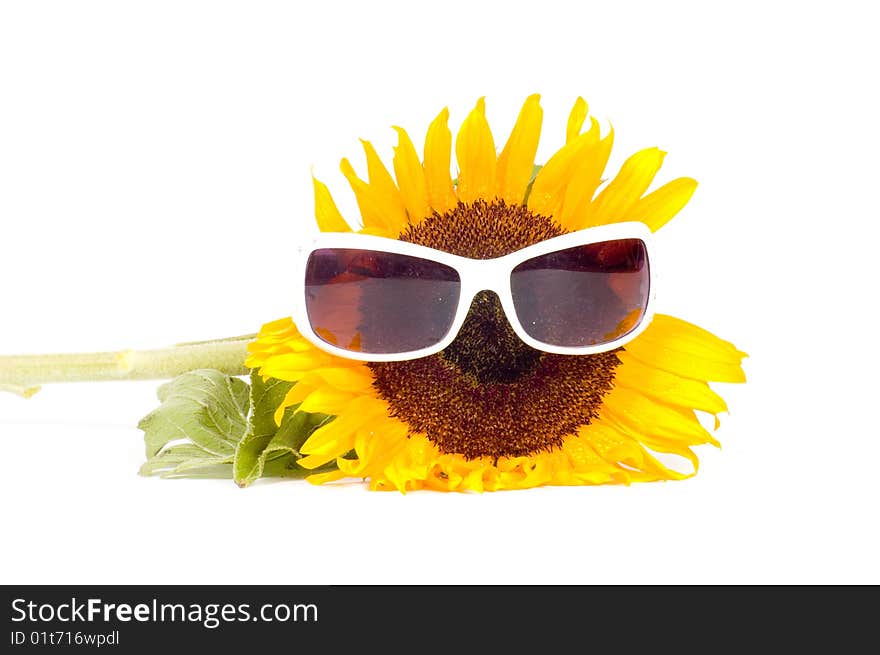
(490, 412)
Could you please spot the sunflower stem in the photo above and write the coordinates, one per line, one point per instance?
(23, 374)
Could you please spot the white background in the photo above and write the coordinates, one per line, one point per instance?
(154, 177)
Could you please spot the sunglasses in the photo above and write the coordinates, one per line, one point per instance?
(377, 299)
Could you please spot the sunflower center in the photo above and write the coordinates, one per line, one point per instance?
(487, 348)
(489, 394)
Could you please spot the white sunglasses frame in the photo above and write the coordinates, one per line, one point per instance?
(476, 275)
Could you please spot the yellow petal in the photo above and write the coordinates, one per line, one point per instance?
(341, 431)
(370, 206)
(329, 476)
(473, 481)
(328, 217)
(330, 440)
(326, 401)
(262, 354)
(658, 207)
(550, 184)
(376, 447)
(612, 445)
(314, 461)
(332, 445)
(576, 119)
(626, 188)
(651, 422)
(410, 467)
(517, 159)
(279, 326)
(475, 151)
(286, 365)
(585, 178)
(410, 177)
(295, 396)
(278, 345)
(355, 379)
(385, 190)
(438, 153)
(582, 450)
(666, 387)
(684, 349)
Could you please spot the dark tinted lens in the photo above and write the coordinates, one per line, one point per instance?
(378, 302)
(583, 296)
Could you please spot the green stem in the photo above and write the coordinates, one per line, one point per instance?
(23, 374)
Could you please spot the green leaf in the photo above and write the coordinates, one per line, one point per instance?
(201, 420)
(266, 397)
(537, 169)
(187, 461)
(270, 450)
(210, 424)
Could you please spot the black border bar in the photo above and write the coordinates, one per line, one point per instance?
(398, 618)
